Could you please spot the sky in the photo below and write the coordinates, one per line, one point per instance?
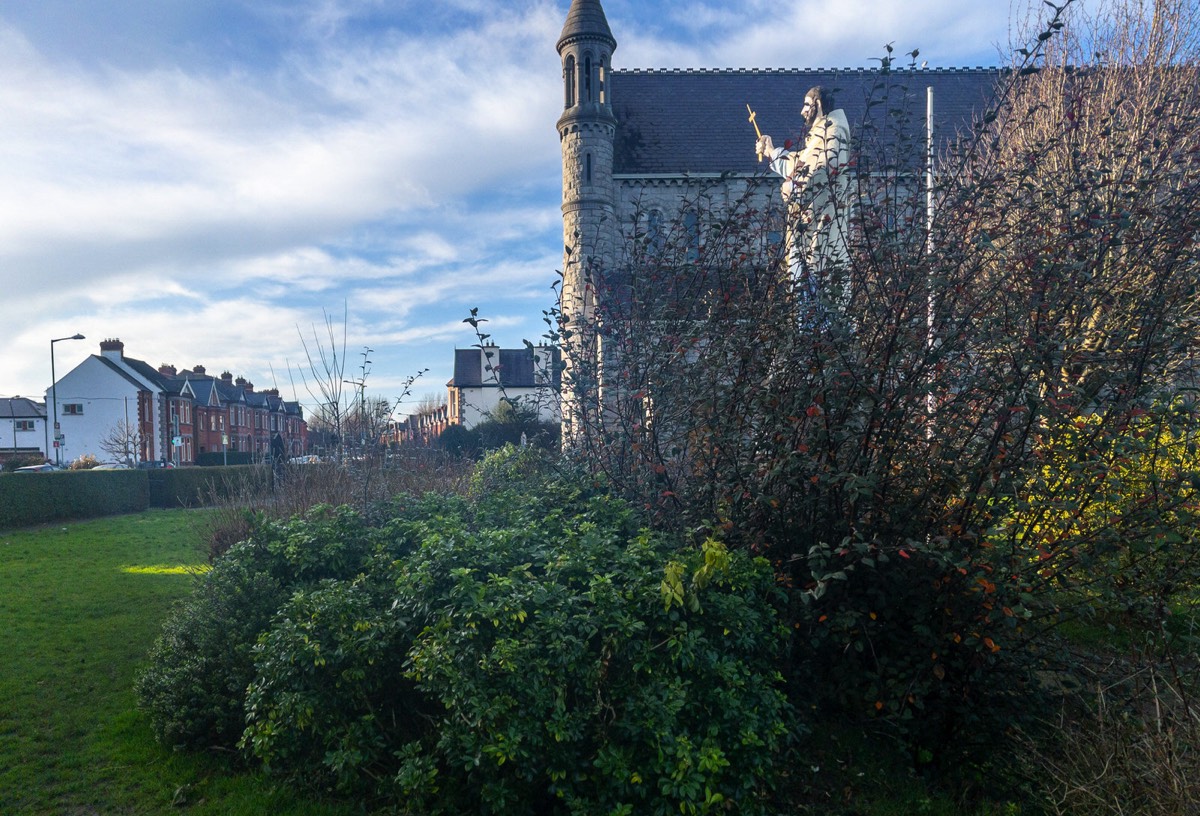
(210, 181)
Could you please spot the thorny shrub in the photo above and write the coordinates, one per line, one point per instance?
(880, 428)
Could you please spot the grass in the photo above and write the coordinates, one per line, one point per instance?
(80, 603)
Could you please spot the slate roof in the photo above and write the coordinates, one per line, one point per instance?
(695, 121)
(125, 375)
(515, 369)
(203, 387)
(21, 408)
(585, 19)
(146, 370)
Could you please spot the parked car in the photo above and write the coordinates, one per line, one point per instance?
(44, 467)
(155, 464)
(111, 466)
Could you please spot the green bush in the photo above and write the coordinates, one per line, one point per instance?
(569, 678)
(330, 697)
(41, 497)
(225, 458)
(199, 668)
(537, 652)
(200, 665)
(527, 648)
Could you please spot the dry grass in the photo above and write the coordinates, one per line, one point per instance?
(358, 483)
(1136, 750)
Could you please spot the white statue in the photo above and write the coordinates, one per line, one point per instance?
(816, 188)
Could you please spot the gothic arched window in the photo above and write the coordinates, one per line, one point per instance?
(587, 79)
(569, 81)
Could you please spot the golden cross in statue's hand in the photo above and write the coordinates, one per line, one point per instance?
(757, 132)
(753, 118)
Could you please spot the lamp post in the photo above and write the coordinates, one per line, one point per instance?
(54, 393)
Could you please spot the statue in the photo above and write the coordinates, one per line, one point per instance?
(816, 189)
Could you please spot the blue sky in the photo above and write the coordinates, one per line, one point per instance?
(204, 178)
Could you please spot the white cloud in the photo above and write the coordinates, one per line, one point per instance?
(201, 186)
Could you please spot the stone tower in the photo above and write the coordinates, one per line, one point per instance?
(586, 131)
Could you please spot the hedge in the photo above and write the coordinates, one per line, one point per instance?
(193, 487)
(38, 498)
(225, 458)
(34, 498)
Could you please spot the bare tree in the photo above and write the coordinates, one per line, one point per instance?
(122, 443)
(325, 379)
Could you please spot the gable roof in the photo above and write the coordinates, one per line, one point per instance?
(149, 372)
(672, 122)
(21, 408)
(125, 373)
(514, 368)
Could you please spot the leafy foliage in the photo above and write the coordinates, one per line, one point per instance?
(194, 688)
(881, 428)
(530, 645)
(564, 683)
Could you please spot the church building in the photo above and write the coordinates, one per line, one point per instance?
(641, 148)
(637, 143)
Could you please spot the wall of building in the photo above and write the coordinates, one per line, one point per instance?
(106, 398)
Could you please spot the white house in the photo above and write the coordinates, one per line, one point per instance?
(485, 377)
(22, 428)
(102, 393)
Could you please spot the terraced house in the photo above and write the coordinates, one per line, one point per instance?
(169, 414)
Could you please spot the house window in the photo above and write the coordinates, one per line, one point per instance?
(24, 424)
(73, 408)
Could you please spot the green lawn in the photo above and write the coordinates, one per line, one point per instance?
(80, 603)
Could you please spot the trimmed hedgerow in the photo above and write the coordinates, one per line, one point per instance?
(41, 497)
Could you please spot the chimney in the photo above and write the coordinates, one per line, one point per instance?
(240, 382)
(167, 370)
(226, 378)
(113, 349)
(249, 386)
(198, 369)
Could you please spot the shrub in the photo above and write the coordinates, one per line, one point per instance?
(529, 647)
(1132, 749)
(579, 665)
(14, 462)
(330, 699)
(189, 487)
(199, 668)
(460, 441)
(85, 462)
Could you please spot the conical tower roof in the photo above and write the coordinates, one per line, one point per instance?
(586, 20)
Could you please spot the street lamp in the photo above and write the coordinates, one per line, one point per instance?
(54, 393)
